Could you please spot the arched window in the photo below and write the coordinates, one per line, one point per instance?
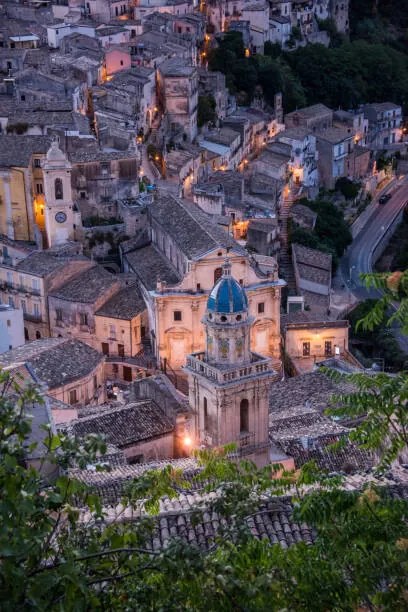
(217, 274)
(206, 420)
(26, 336)
(37, 335)
(59, 192)
(244, 416)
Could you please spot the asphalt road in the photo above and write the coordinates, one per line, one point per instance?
(358, 257)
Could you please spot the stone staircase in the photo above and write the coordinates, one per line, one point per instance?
(285, 259)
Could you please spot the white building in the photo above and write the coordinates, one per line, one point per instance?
(303, 161)
(11, 327)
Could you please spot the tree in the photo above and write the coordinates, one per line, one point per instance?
(57, 557)
(348, 188)
(206, 110)
(394, 289)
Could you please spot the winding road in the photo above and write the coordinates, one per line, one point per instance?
(358, 257)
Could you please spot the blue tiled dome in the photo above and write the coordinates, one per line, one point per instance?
(227, 296)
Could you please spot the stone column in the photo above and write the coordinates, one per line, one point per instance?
(9, 210)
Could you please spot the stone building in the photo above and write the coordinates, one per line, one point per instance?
(316, 117)
(71, 371)
(121, 323)
(73, 305)
(308, 339)
(177, 94)
(228, 383)
(177, 266)
(21, 180)
(26, 282)
(334, 146)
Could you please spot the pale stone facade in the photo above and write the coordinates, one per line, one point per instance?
(177, 270)
(228, 383)
(58, 208)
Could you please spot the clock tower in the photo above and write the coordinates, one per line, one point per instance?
(58, 209)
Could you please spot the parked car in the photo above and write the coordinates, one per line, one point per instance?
(384, 198)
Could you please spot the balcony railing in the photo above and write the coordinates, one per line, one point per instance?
(225, 374)
(18, 287)
(34, 318)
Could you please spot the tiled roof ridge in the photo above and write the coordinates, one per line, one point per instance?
(196, 219)
(115, 409)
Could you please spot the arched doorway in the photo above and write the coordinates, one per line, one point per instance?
(26, 336)
(37, 335)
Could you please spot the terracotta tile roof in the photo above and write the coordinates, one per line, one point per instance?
(87, 287)
(125, 425)
(54, 361)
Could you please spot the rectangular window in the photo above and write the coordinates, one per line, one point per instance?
(11, 301)
(95, 383)
(73, 397)
(36, 310)
(121, 350)
(83, 318)
(328, 348)
(36, 284)
(177, 315)
(21, 281)
(105, 348)
(9, 278)
(306, 349)
(112, 331)
(58, 314)
(37, 162)
(261, 307)
(23, 305)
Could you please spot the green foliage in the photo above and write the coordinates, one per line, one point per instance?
(55, 557)
(95, 221)
(206, 110)
(331, 233)
(348, 188)
(380, 401)
(394, 289)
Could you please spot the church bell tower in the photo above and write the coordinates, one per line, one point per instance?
(59, 216)
(229, 384)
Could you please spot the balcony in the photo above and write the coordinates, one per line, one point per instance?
(34, 318)
(19, 288)
(228, 373)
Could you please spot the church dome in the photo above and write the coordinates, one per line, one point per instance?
(227, 296)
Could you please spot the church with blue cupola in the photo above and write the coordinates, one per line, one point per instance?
(228, 383)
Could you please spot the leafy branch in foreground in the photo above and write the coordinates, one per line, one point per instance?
(59, 551)
(394, 289)
(380, 404)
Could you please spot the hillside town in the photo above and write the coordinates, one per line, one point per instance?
(180, 261)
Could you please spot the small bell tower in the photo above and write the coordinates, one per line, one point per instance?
(229, 384)
(58, 209)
